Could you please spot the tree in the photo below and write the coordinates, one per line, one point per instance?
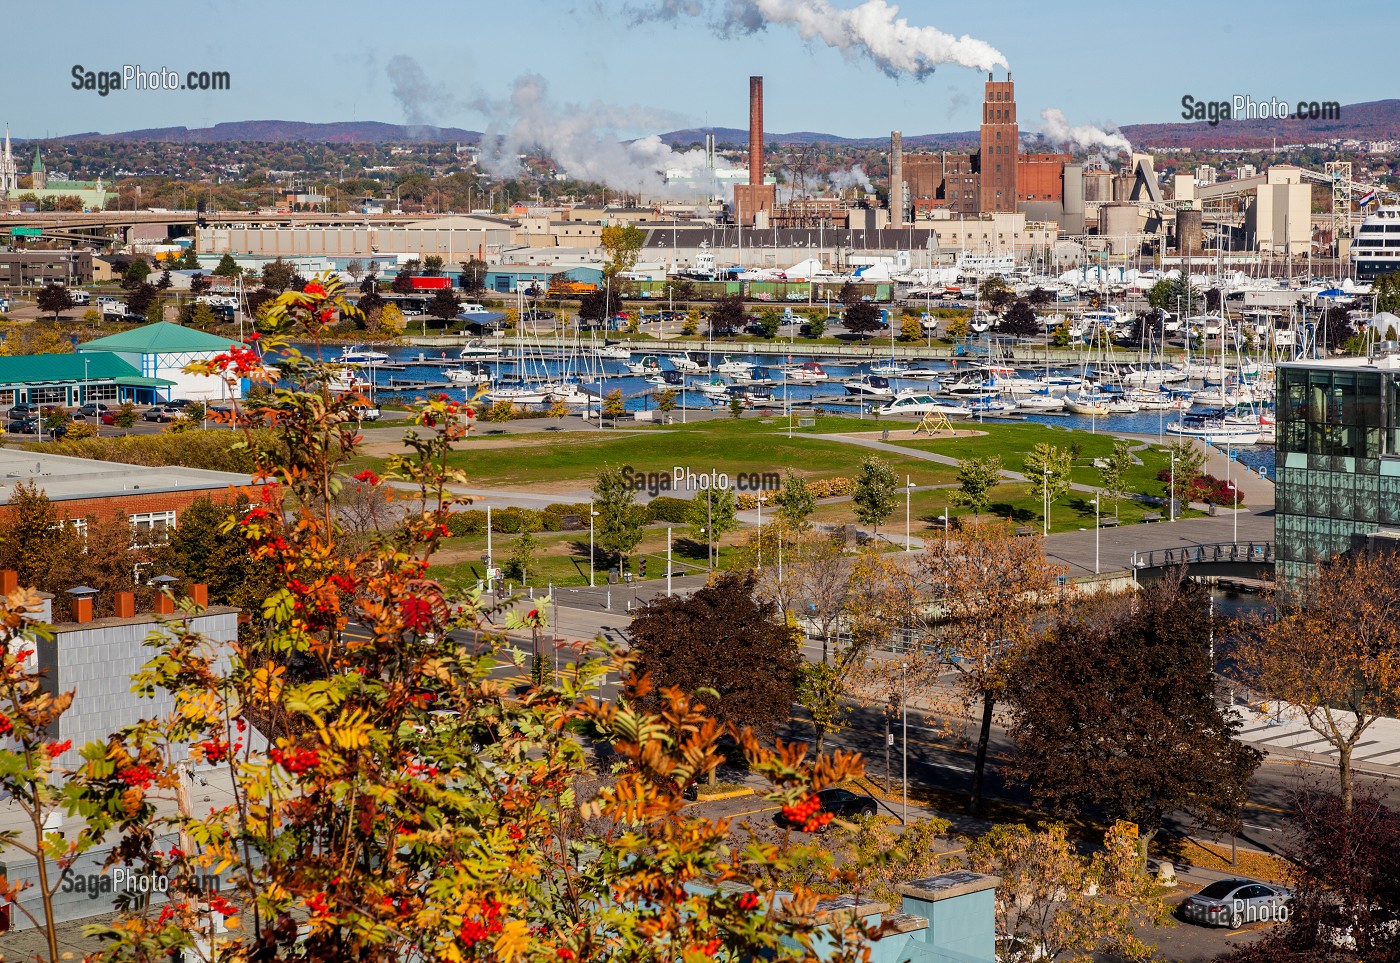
(874, 494)
(141, 298)
(277, 275)
(1061, 336)
(724, 648)
(976, 479)
(1054, 904)
(1114, 470)
(995, 292)
(736, 407)
(622, 244)
(770, 322)
(1020, 320)
(613, 405)
(795, 501)
(621, 521)
(816, 326)
(189, 260)
(403, 282)
(391, 320)
(727, 314)
(202, 316)
(1331, 655)
(1188, 460)
(558, 409)
(199, 284)
(155, 311)
(227, 268)
(36, 337)
(432, 264)
(986, 589)
(909, 329)
(204, 548)
(54, 299)
(474, 274)
(521, 561)
(598, 306)
(444, 305)
(666, 400)
(713, 517)
(1114, 712)
(499, 411)
(1047, 470)
(136, 273)
(862, 318)
(355, 269)
(163, 282)
(1345, 874)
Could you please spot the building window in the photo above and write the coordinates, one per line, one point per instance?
(152, 528)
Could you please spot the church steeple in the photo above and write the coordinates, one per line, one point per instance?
(38, 167)
(38, 177)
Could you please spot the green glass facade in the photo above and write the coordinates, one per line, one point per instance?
(1337, 460)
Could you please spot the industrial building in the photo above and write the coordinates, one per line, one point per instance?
(160, 353)
(28, 268)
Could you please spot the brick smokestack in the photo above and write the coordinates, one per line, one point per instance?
(755, 130)
(896, 179)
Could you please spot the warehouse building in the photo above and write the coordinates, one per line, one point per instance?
(159, 352)
(76, 379)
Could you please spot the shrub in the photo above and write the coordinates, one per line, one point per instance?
(470, 522)
(664, 508)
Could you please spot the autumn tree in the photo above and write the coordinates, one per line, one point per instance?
(712, 514)
(1331, 654)
(1054, 904)
(976, 479)
(1047, 469)
(444, 305)
(277, 275)
(54, 299)
(614, 407)
(1114, 711)
(727, 314)
(1188, 461)
(724, 648)
(622, 244)
(874, 493)
(987, 591)
(861, 318)
(795, 501)
(621, 521)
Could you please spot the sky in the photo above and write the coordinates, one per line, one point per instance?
(457, 64)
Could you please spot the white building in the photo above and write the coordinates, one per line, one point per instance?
(163, 349)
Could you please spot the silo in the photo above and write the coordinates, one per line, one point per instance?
(1188, 232)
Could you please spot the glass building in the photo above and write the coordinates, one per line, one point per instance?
(1337, 458)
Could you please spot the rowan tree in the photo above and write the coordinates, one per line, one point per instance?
(987, 590)
(724, 648)
(1114, 711)
(1331, 654)
(874, 494)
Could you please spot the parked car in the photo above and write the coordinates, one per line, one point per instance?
(163, 413)
(107, 418)
(1234, 902)
(89, 410)
(24, 410)
(25, 426)
(367, 412)
(841, 803)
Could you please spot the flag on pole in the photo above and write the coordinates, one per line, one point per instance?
(1366, 198)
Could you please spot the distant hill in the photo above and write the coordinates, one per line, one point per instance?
(338, 132)
(1376, 120)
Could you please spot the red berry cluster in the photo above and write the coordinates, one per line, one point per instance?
(295, 761)
(473, 931)
(59, 748)
(139, 776)
(6, 726)
(217, 750)
(747, 901)
(712, 947)
(807, 814)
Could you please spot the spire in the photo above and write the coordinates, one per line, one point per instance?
(7, 142)
(38, 167)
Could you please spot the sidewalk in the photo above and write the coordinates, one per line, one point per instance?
(1281, 731)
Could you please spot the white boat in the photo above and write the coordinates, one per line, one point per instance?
(714, 388)
(1148, 400)
(809, 372)
(356, 354)
(1217, 428)
(891, 368)
(734, 366)
(757, 375)
(1086, 405)
(648, 365)
(1151, 376)
(1041, 403)
(1123, 406)
(921, 372)
(348, 379)
(614, 352)
(571, 395)
(468, 374)
(525, 395)
(991, 404)
(686, 363)
(479, 348)
(870, 386)
(920, 403)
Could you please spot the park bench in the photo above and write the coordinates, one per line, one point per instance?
(1151, 516)
(1108, 521)
(1024, 530)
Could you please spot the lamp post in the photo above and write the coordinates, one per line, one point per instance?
(709, 532)
(1095, 503)
(760, 531)
(904, 747)
(946, 523)
(908, 498)
(591, 515)
(1045, 500)
(1171, 492)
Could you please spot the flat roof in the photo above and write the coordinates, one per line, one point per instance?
(1384, 362)
(65, 478)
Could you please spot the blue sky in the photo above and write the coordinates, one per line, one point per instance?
(322, 61)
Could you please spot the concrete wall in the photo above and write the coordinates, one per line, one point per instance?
(453, 244)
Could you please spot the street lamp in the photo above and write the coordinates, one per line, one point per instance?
(591, 515)
(908, 498)
(904, 747)
(1171, 492)
(1095, 503)
(1045, 500)
(945, 527)
(760, 531)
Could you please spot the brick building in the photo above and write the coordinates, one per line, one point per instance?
(997, 178)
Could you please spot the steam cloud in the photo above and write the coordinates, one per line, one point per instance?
(874, 30)
(845, 180)
(585, 141)
(1084, 136)
(422, 101)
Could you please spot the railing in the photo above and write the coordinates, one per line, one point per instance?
(1255, 552)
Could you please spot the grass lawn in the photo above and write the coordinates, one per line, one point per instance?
(561, 460)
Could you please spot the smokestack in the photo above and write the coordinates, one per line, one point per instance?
(709, 152)
(755, 130)
(896, 179)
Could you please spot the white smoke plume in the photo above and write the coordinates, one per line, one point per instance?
(585, 141)
(1083, 136)
(847, 179)
(422, 101)
(873, 30)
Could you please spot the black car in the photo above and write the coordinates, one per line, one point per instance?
(89, 410)
(25, 426)
(841, 803)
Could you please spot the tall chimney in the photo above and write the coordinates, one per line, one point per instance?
(896, 179)
(755, 130)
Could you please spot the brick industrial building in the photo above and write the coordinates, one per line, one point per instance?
(997, 178)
